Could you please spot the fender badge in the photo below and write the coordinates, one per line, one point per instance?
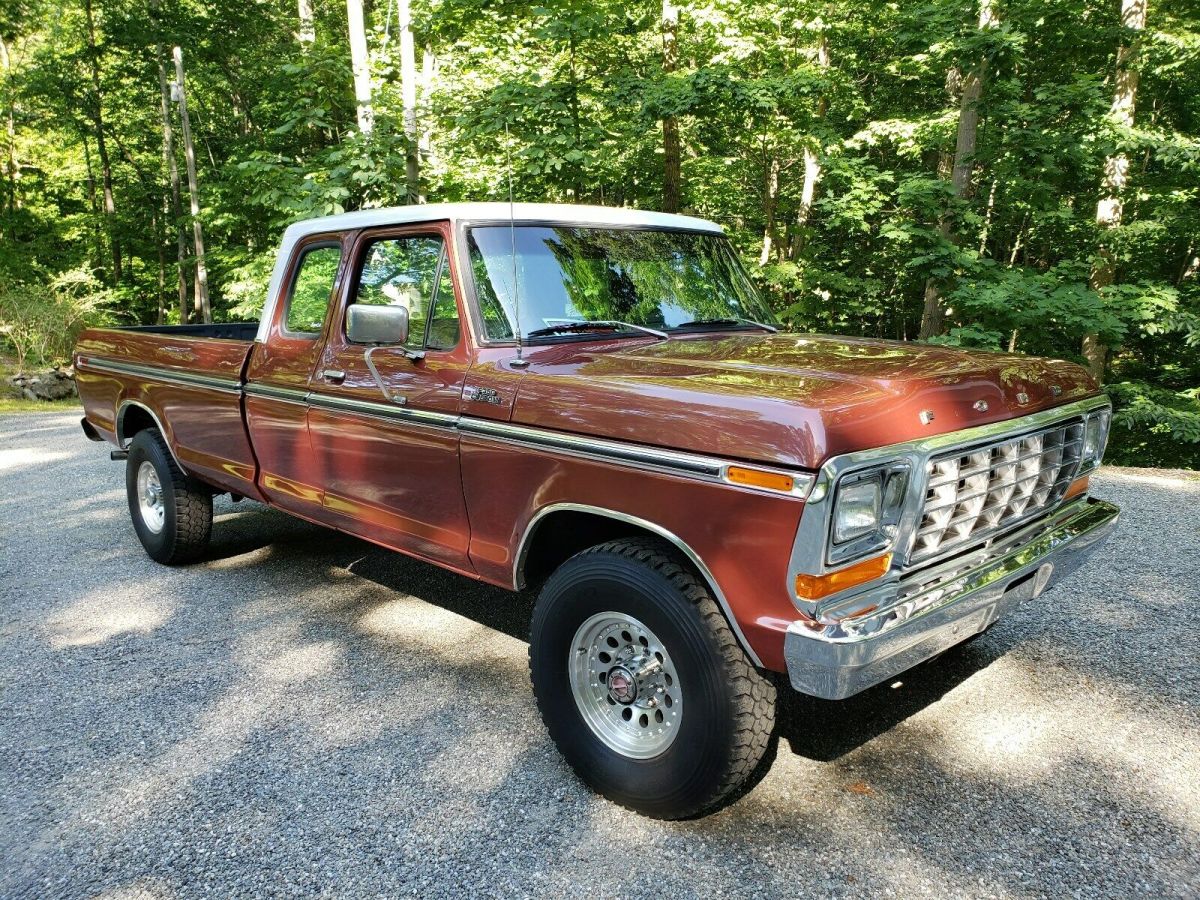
(981, 405)
(482, 395)
(1022, 398)
(1055, 390)
(926, 416)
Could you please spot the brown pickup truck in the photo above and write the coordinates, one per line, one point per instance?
(596, 404)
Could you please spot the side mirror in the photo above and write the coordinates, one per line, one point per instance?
(366, 324)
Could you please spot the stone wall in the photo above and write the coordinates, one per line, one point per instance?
(49, 384)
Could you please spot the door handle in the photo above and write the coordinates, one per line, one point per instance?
(333, 376)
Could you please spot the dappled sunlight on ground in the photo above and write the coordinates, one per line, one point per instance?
(17, 458)
(211, 725)
(100, 616)
(141, 889)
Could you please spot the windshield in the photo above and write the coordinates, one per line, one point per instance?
(613, 278)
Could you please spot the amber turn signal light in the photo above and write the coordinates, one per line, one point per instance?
(1078, 486)
(772, 481)
(814, 587)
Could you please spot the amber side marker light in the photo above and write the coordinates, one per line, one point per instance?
(1078, 486)
(814, 587)
(772, 481)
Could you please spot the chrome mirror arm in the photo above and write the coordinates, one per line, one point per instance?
(383, 388)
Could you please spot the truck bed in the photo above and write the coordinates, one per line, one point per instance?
(225, 331)
(187, 379)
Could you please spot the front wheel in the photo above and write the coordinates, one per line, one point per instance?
(172, 513)
(642, 684)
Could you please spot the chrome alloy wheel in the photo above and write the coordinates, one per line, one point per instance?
(625, 685)
(150, 497)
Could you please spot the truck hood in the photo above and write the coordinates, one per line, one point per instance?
(785, 399)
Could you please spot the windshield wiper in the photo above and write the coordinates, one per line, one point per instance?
(728, 321)
(603, 324)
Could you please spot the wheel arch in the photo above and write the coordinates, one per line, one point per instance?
(538, 553)
(134, 416)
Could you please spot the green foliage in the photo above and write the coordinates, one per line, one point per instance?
(568, 98)
(1153, 426)
(40, 323)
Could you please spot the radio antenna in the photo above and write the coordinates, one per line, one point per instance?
(519, 362)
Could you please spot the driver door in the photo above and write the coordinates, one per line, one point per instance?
(381, 417)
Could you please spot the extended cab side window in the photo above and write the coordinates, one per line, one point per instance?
(312, 285)
(412, 272)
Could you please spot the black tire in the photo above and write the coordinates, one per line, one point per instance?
(187, 503)
(728, 708)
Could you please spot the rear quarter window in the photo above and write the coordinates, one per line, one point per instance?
(308, 300)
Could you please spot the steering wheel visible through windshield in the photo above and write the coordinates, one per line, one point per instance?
(576, 280)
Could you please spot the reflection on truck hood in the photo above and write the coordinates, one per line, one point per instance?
(788, 399)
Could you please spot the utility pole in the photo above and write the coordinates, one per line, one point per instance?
(189, 155)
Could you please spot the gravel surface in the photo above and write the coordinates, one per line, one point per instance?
(306, 714)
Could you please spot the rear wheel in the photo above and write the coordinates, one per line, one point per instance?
(171, 512)
(642, 684)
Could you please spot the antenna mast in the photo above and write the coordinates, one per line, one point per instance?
(519, 362)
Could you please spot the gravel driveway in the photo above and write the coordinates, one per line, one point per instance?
(304, 713)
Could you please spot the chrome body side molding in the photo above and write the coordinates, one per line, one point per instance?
(287, 395)
(114, 367)
(671, 462)
(673, 539)
(383, 410)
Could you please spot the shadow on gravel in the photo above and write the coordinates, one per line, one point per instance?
(825, 730)
(815, 729)
(247, 527)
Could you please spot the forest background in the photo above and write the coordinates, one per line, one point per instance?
(1008, 174)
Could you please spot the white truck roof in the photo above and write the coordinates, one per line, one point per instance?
(562, 213)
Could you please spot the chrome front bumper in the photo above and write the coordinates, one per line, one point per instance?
(933, 609)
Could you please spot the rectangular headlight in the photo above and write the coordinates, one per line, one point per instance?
(1095, 437)
(856, 510)
(867, 507)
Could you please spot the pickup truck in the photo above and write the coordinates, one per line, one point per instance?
(596, 405)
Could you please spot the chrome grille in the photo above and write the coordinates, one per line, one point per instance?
(975, 492)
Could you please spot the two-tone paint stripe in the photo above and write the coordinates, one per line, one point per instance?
(672, 462)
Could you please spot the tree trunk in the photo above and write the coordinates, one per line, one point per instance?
(361, 65)
(812, 166)
(97, 252)
(161, 318)
(770, 199)
(189, 155)
(672, 154)
(933, 316)
(174, 204)
(424, 127)
(10, 131)
(308, 31)
(97, 112)
(1110, 208)
(408, 99)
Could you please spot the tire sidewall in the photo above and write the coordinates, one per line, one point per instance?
(145, 448)
(682, 776)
